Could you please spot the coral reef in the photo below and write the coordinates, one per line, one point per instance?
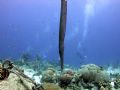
(49, 76)
(51, 86)
(91, 75)
(117, 82)
(65, 78)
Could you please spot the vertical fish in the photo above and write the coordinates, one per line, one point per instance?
(62, 30)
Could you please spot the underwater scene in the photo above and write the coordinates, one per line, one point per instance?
(59, 44)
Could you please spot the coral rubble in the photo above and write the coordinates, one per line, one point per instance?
(87, 77)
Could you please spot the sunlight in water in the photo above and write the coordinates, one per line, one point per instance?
(90, 7)
(89, 12)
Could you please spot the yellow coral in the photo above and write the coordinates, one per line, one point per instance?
(51, 86)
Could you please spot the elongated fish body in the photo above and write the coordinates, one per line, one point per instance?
(62, 30)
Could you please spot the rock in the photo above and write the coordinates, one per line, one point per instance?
(14, 82)
(64, 80)
(37, 79)
(4, 73)
(29, 72)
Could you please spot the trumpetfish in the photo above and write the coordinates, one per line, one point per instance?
(62, 31)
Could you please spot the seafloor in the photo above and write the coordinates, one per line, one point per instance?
(46, 75)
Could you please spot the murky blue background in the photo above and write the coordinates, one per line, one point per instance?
(33, 26)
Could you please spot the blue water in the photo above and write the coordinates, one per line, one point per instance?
(93, 30)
